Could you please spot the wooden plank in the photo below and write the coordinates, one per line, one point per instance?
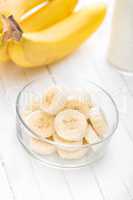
(51, 183)
(82, 184)
(124, 102)
(6, 191)
(17, 162)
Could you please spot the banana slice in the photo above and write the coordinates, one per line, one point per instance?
(70, 152)
(34, 105)
(79, 101)
(68, 145)
(53, 100)
(98, 121)
(91, 136)
(42, 148)
(72, 155)
(41, 123)
(70, 125)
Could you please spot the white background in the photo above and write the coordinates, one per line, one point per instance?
(22, 178)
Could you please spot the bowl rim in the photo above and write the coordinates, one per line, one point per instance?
(36, 136)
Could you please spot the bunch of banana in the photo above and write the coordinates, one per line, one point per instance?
(68, 127)
(48, 33)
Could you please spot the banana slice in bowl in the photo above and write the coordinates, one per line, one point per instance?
(72, 155)
(70, 149)
(98, 121)
(32, 106)
(42, 148)
(65, 144)
(53, 100)
(79, 105)
(70, 125)
(80, 101)
(93, 139)
(41, 123)
(91, 136)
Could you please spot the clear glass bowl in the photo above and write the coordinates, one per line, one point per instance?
(92, 152)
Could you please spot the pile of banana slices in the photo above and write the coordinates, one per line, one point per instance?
(70, 119)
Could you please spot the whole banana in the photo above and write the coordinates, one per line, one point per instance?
(47, 15)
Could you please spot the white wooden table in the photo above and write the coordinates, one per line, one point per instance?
(22, 178)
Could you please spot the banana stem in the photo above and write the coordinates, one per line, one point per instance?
(11, 29)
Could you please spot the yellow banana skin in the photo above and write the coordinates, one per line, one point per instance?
(3, 51)
(54, 43)
(53, 12)
(17, 7)
(20, 58)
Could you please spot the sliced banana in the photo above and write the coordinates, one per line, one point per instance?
(53, 100)
(42, 148)
(91, 137)
(33, 105)
(66, 145)
(80, 102)
(72, 155)
(41, 123)
(69, 152)
(70, 125)
(98, 121)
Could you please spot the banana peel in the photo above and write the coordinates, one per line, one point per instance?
(4, 57)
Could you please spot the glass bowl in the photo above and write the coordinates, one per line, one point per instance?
(91, 152)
